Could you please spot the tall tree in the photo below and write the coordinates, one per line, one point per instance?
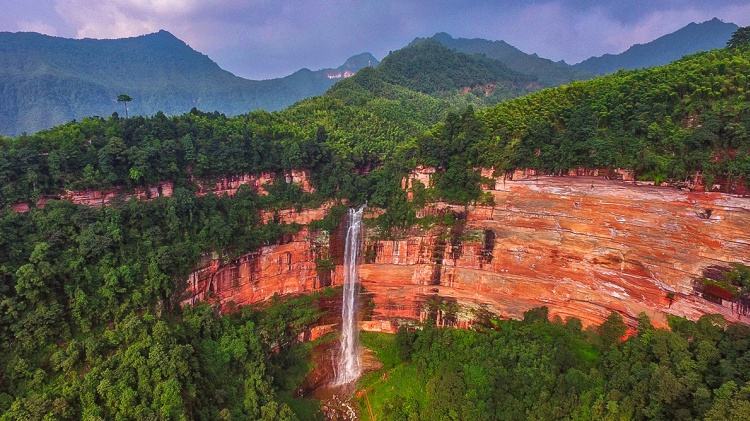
(124, 98)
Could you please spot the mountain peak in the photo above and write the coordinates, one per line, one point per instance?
(163, 36)
(442, 36)
(359, 61)
(547, 72)
(689, 39)
(163, 33)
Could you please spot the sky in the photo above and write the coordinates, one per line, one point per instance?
(261, 39)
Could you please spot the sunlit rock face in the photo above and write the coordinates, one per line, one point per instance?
(582, 246)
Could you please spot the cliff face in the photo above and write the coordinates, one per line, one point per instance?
(581, 246)
(286, 268)
(289, 267)
(220, 187)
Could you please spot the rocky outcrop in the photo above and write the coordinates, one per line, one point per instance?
(229, 185)
(257, 182)
(296, 216)
(97, 198)
(582, 246)
(220, 187)
(694, 183)
(286, 268)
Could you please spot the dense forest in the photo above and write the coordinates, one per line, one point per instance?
(90, 325)
(541, 369)
(665, 123)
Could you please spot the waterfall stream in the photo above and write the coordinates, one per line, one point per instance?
(348, 367)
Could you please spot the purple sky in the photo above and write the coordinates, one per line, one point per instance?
(269, 38)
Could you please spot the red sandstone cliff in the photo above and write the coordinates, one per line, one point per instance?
(221, 186)
(581, 246)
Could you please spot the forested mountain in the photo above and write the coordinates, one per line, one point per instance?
(426, 66)
(690, 39)
(547, 72)
(665, 123)
(48, 80)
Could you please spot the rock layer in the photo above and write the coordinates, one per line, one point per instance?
(221, 186)
(581, 246)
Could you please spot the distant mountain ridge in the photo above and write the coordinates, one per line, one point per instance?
(48, 80)
(547, 72)
(692, 38)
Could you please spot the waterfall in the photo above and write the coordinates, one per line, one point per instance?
(348, 365)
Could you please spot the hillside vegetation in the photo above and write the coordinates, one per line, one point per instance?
(544, 369)
(665, 123)
(429, 67)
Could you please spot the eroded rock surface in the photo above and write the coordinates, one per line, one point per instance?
(582, 246)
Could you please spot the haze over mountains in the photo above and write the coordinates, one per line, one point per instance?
(47, 80)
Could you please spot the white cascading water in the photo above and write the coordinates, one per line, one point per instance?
(348, 368)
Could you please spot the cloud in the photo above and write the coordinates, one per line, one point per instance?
(36, 26)
(122, 18)
(266, 38)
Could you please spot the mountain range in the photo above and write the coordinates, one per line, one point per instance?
(47, 80)
(546, 71)
(689, 39)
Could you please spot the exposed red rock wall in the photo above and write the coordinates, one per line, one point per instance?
(695, 183)
(257, 182)
(287, 268)
(104, 197)
(229, 185)
(302, 217)
(581, 246)
(222, 186)
(420, 174)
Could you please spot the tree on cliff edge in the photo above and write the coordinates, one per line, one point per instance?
(124, 98)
